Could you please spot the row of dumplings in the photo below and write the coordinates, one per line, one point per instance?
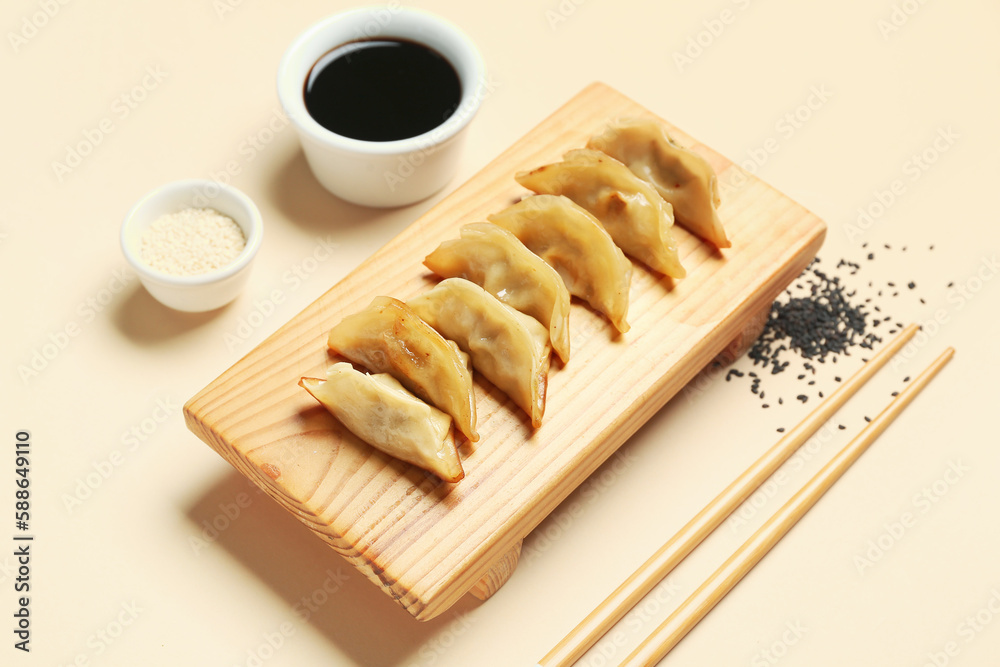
(503, 303)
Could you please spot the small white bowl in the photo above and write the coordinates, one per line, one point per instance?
(205, 291)
(382, 173)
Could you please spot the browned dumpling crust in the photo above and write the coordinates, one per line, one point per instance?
(576, 245)
(382, 413)
(388, 337)
(497, 261)
(507, 347)
(637, 217)
(680, 176)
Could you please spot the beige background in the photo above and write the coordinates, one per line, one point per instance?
(828, 102)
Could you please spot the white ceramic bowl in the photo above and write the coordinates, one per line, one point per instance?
(206, 291)
(381, 173)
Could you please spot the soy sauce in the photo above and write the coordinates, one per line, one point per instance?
(382, 90)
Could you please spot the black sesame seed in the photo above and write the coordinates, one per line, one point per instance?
(781, 429)
(841, 427)
(868, 419)
(802, 397)
(817, 319)
(906, 379)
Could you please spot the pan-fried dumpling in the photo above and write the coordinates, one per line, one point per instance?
(574, 243)
(380, 411)
(635, 215)
(388, 337)
(497, 261)
(507, 347)
(682, 177)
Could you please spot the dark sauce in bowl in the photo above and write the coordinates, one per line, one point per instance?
(382, 90)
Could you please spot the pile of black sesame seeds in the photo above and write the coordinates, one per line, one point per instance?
(818, 320)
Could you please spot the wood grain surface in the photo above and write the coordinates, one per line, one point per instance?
(425, 542)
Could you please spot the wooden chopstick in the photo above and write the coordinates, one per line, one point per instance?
(656, 568)
(692, 610)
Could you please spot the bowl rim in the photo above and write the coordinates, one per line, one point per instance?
(294, 104)
(194, 186)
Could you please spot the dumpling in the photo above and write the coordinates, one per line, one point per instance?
(574, 243)
(380, 411)
(497, 261)
(682, 177)
(507, 347)
(388, 337)
(635, 215)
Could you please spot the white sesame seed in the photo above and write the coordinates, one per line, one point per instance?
(191, 242)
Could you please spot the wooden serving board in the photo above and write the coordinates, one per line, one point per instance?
(425, 542)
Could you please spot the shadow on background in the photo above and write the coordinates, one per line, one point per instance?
(145, 321)
(300, 198)
(319, 586)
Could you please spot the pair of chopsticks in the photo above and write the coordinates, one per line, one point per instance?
(656, 568)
